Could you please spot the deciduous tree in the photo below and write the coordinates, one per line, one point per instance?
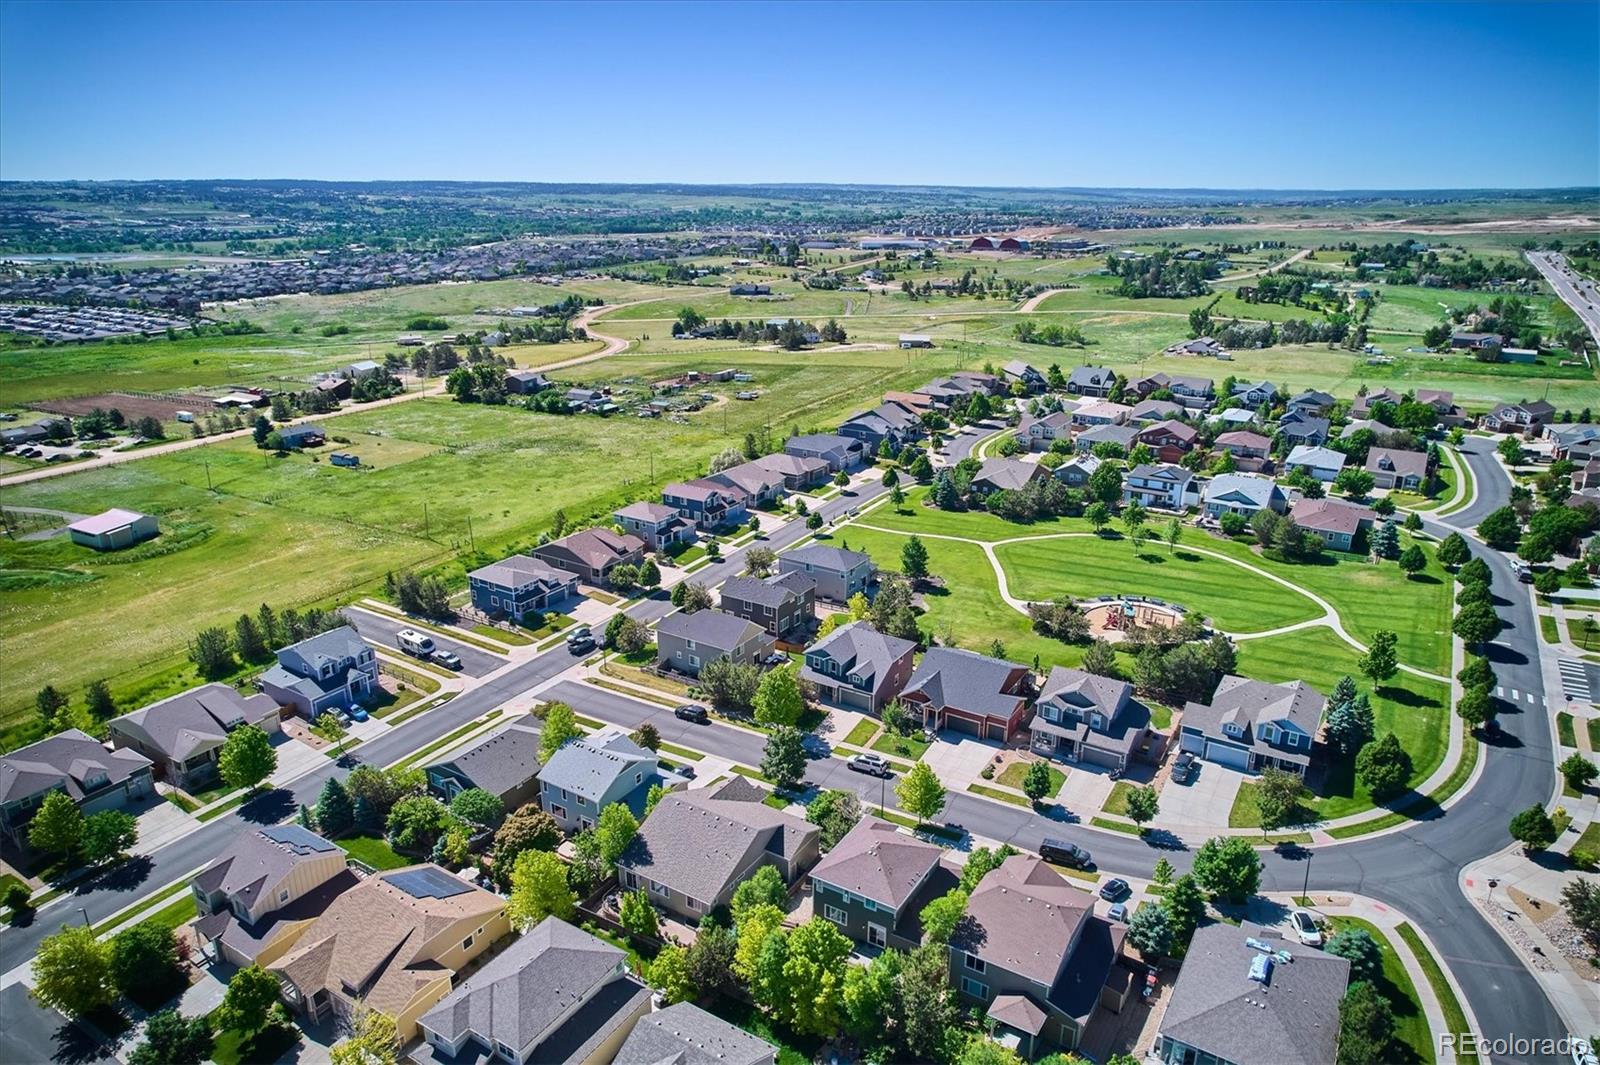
(560, 725)
(72, 972)
(920, 792)
(247, 757)
(539, 890)
(783, 760)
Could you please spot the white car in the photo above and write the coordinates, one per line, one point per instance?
(1305, 927)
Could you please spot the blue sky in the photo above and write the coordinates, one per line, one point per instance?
(1278, 95)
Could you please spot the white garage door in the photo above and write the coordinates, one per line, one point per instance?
(1236, 757)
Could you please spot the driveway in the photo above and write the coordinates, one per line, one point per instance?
(958, 760)
(1204, 802)
(1086, 789)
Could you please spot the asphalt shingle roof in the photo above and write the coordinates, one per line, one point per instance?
(590, 764)
(66, 760)
(685, 1034)
(879, 861)
(713, 628)
(501, 763)
(193, 720)
(966, 680)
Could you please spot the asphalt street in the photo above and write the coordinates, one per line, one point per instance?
(1577, 291)
(379, 628)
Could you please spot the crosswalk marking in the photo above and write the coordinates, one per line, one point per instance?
(1575, 679)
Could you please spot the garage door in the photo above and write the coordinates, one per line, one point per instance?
(1222, 754)
(958, 723)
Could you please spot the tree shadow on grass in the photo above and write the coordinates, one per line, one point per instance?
(1405, 696)
(1186, 556)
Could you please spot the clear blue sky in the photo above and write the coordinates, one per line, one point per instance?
(1277, 95)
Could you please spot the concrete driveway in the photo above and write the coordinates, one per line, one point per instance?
(957, 760)
(1204, 802)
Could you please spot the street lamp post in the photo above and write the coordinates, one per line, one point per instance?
(1305, 888)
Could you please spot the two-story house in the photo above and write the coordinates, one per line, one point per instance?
(658, 525)
(1254, 394)
(592, 772)
(839, 452)
(1017, 372)
(888, 421)
(839, 573)
(183, 735)
(1100, 412)
(1149, 411)
(1524, 417)
(1304, 429)
(1323, 463)
(1244, 444)
(1393, 468)
(968, 692)
(686, 642)
(505, 764)
(519, 585)
(751, 480)
(76, 764)
(707, 505)
(1312, 402)
(685, 1034)
(263, 890)
(1095, 381)
(875, 881)
(1171, 439)
(329, 671)
(1076, 470)
(858, 667)
(784, 604)
(1194, 393)
(1082, 717)
(1039, 433)
(1120, 436)
(592, 554)
(1164, 487)
(1251, 724)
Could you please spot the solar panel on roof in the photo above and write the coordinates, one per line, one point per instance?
(428, 882)
(297, 839)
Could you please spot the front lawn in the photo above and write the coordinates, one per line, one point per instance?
(912, 746)
(1117, 801)
(1412, 1040)
(1566, 729)
(1014, 774)
(862, 733)
(374, 851)
(233, 1047)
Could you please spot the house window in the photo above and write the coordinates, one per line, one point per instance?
(505, 1051)
(975, 963)
(695, 904)
(1269, 733)
(630, 880)
(283, 896)
(660, 889)
(877, 936)
(689, 644)
(1292, 739)
(694, 660)
(975, 988)
(638, 778)
(466, 944)
(834, 914)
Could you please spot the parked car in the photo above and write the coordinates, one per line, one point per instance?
(1524, 572)
(872, 764)
(580, 645)
(1305, 927)
(1063, 853)
(447, 659)
(693, 713)
(358, 713)
(686, 771)
(1115, 889)
(1183, 768)
(1118, 912)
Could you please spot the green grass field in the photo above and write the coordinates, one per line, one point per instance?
(1412, 1040)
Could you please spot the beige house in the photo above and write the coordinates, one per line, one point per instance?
(394, 942)
(264, 890)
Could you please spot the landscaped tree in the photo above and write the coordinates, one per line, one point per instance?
(669, 972)
(981, 862)
(247, 757)
(247, 1005)
(1476, 624)
(97, 700)
(690, 597)
(49, 702)
(72, 972)
(914, 559)
(476, 807)
(981, 1050)
(212, 653)
(335, 810)
(636, 914)
(107, 835)
(614, 831)
(779, 700)
(1354, 482)
(373, 1040)
(869, 998)
(1036, 783)
(1151, 931)
(1172, 533)
(1581, 900)
(1412, 560)
(1185, 906)
(330, 728)
(1453, 551)
(170, 1039)
(1500, 529)
(530, 828)
(1547, 582)
(1350, 725)
(1143, 805)
(58, 826)
(1381, 660)
(920, 793)
(836, 812)
(1278, 797)
(1358, 947)
(1475, 706)
(1228, 866)
(783, 760)
(560, 725)
(759, 560)
(1577, 771)
(941, 915)
(1098, 515)
(539, 890)
(1100, 658)
(731, 686)
(811, 998)
(1384, 767)
(711, 959)
(756, 926)
(1533, 828)
(1366, 1026)
(764, 888)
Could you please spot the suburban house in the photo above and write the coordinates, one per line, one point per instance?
(1523, 417)
(183, 735)
(749, 289)
(1576, 443)
(1251, 724)
(1390, 468)
(1201, 347)
(784, 603)
(1040, 433)
(1009, 475)
(1103, 412)
(393, 942)
(915, 402)
(1150, 411)
(294, 436)
(839, 452)
(685, 1034)
(968, 692)
(686, 642)
(592, 772)
(1195, 393)
(1081, 717)
(1164, 487)
(1255, 394)
(875, 881)
(518, 586)
(757, 484)
(1313, 402)
(1017, 372)
(1120, 435)
(111, 529)
(329, 671)
(888, 421)
(592, 554)
(556, 995)
(1096, 381)
(1031, 952)
(505, 764)
(1252, 452)
(1171, 439)
(77, 764)
(261, 892)
(1340, 523)
(1235, 1001)
(1443, 401)
(526, 382)
(798, 473)
(1244, 494)
(697, 846)
(1304, 429)
(857, 666)
(839, 573)
(1076, 470)
(943, 392)
(1234, 418)
(1363, 405)
(657, 524)
(1323, 463)
(706, 504)
(974, 381)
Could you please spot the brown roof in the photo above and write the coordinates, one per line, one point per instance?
(1244, 438)
(1024, 917)
(596, 548)
(877, 860)
(1332, 515)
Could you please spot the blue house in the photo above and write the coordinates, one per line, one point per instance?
(328, 671)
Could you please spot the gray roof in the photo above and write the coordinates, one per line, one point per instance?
(1018, 368)
(1078, 688)
(773, 591)
(68, 760)
(713, 628)
(1306, 427)
(1093, 376)
(1306, 454)
(521, 571)
(823, 442)
(596, 548)
(193, 721)
(500, 764)
(1116, 434)
(791, 465)
(1253, 703)
(1023, 917)
(1008, 474)
(1405, 463)
(589, 765)
(259, 859)
(1161, 471)
(1292, 1018)
(879, 861)
(685, 1034)
(526, 989)
(647, 511)
(966, 680)
(333, 646)
(860, 650)
(698, 844)
(1154, 410)
(1259, 491)
(832, 559)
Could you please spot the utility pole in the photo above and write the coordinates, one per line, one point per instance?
(207, 464)
(471, 540)
(1305, 888)
(426, 535)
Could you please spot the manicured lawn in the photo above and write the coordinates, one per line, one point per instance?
(1117, 801)
(912, 516)
(1566, 729)
(1594, 732)
(1015, 772)
(511, 638)
(996, 793)
(178, 912)
(1412, 1040)
(374, 850)
(1548, 629)
(1590, 839)
(233, 1047)
(420, 681)
(1455, 1017)
(862, 733)
(912, 746)
(446, 740)
(169, 892)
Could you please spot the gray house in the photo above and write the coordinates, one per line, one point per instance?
(75, 763)
(592, 772)
(1040, 433)
(839, 452)
(555, 996)
(1017, 372)
(1307, 429)
(839, 573)
(1393, 468)
(1243, 494)
(798, 473)
(888, 421)
(1096, 381)
(657, 524)
(875, 881)
(696, 847)
(1120, 435)
(506, 765)
(1251, 724)
(519, 585)
(1083, 717)
(1233, 1002)
(784, 604)
(686, 642)
(184, 734)
(857, 666)
(329, 671)
(685, 1034)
